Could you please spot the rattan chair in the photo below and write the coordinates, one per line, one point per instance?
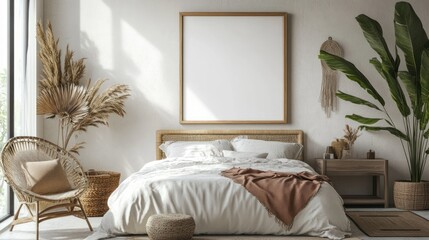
(25, 149)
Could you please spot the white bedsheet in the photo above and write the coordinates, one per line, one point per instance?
(218, 205)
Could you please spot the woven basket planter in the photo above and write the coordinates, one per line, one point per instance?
(411, 195)
(100, 185)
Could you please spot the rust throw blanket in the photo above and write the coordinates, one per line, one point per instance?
(283, 194)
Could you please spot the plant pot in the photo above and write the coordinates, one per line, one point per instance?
(338, 146)
(411, 195)
(100, 185)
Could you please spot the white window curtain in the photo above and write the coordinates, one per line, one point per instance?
(25, 84)
(26, 15)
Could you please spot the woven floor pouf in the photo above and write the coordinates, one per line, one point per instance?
(170, 227)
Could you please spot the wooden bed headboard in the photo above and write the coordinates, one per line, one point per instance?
(294, 136)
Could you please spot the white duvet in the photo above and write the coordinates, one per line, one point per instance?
(193, 186)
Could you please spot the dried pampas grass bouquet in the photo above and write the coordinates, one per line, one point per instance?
(64, 96)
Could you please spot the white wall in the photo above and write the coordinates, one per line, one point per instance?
(136, 42)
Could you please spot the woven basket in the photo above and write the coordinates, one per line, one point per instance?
(411, 195)
(100, 185)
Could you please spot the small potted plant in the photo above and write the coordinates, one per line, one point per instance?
(412, 104)
(77, 105)
(343, 146)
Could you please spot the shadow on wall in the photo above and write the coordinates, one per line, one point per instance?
(124, 134)
(153, 80)
(129, 142)
(165, 41)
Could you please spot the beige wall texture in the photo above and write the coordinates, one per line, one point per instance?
(136, 42)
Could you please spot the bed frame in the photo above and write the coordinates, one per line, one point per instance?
(293, 136)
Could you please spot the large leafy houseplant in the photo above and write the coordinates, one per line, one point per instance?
(413, 103)
(64, 95)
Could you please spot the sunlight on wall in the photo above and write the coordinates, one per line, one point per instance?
(117, 47)
(147, 59)
(199, 109)
(96, 31)
(120, 48)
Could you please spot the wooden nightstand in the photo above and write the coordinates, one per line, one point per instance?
(377, 168)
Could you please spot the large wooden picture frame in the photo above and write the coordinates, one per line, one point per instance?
(233, 67)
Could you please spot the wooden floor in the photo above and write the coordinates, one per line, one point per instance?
(70, 228)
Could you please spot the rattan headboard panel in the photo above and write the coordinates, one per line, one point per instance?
(295, 136)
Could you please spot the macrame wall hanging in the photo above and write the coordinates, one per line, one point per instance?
(328, 100)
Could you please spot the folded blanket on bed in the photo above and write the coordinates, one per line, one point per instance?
(283, 194)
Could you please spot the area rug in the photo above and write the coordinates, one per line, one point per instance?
(390, 223)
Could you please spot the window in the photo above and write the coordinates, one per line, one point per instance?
(18, 81)
(6, 58)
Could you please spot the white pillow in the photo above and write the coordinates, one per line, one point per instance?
(195, 149)
(273, 148)
(234, 154)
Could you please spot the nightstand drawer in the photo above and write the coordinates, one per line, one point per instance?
(352, 167)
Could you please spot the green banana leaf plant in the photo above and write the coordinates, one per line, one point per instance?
(408, 89)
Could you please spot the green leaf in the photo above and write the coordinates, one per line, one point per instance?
(391, 130)
(397, 60)
(411, 87)
(395, 88)
(426, 134)
(363, 120)
(424, 76)
(355, 100)
(424, 81)
(396, 91)
(374, 35)
(377, 65)
(425, 117)
(410, 36)
(350, 70)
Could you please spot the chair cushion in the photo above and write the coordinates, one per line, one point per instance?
(46, 177)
